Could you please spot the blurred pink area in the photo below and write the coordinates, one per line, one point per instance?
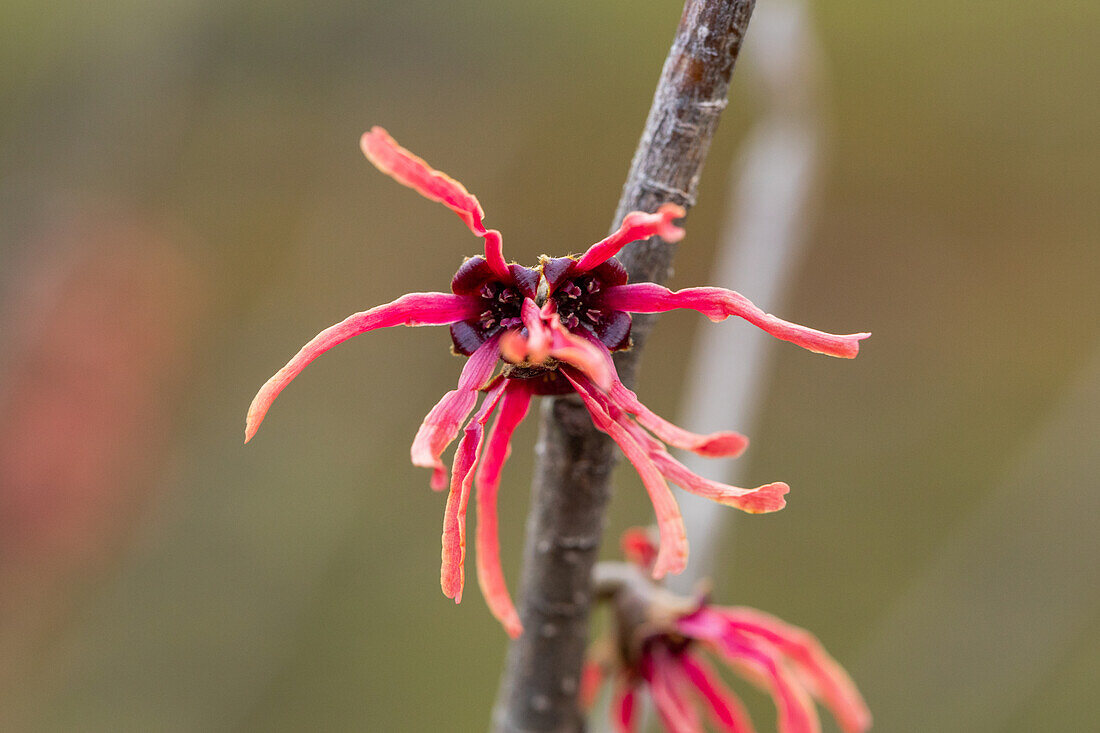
(103, 314)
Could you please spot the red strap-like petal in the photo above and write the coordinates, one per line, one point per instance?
(586, 354)
(412, 171)
(638, 547)
(762, 663)
(538, 332)
(831, 683)
(767, 498)
(717, 304)
(490, 575)
(726, 709)
(673, 553)
(762, 499)
(724, 443)
(636, 225)
(414, 309)
(623, 708)
(592, 674)
(452, 574)
(666, 686)
(442, 424)
(759, 500)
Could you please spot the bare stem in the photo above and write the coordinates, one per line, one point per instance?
(571, 486)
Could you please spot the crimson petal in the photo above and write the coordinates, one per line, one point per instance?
(442, 423)
(636, 225)
(717, 304)
(673, 552)
(623, 708)
(661, 671)
(490, 575)
(452, 574)
(725, 708)
(412, 171)
(413, 309)
(831, 684)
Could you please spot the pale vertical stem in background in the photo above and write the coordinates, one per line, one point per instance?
(760, 247)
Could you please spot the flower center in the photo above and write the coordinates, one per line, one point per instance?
(572, 299)
(501, 304)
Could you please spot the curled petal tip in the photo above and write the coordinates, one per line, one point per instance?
(765, 499)
(513, 347)
(370, 142)
(675, 211)
(412, 171)
(259, 407)
(439, 477)
(669, 566)
(856, 338)
(725, 444)
(451, 580)
(667, 230)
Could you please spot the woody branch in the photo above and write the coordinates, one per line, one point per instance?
(571, 489)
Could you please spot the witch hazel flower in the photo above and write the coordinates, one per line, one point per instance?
(544, 330)
(664, 646)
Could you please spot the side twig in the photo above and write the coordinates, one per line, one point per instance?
(571, 488)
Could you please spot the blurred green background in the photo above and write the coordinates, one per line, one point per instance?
(183, 204)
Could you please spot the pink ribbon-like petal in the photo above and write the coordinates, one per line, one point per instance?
(796, 713)
(636, 225)
(762, 499)
(412, 171)
(592, 674)
(588, 355)
(538, 332)
(673, 553)
(726, 709)
(762, 663)
(414, 309)
(442, 423)
(830, 682)
(452, 574)
(490, 575)
(717, 304)
(623, 708)
(666, 686)
(759, 500)
(638, 547)
(724, 443)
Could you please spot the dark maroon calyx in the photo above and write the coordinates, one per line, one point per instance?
(500, 301)
(557, 270)
(577, 299)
